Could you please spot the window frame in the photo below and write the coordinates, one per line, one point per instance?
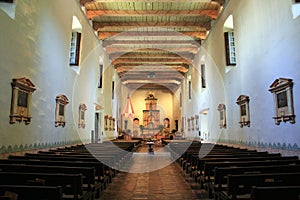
(230, 48)
(75, 48)
(203, 77)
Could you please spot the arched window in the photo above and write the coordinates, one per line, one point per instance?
(229, 42)
(9, 7)
(75, 42)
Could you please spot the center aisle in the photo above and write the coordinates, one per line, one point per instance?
(167, 183)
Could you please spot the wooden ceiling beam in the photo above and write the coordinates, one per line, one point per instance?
(151, 66)
(102, 26)
(178, 70)
(107, 43)
(134, 13)
(196, 34)
(151, 50)
(82, 2)
(188, 56)
(193, 50)
(150, 60)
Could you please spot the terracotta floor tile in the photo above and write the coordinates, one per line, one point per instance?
(167, 183)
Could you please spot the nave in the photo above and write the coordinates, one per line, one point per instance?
(167, 183)
(129, 170)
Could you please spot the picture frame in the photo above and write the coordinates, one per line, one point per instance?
(81, 116)
(222, 110)
(192, 123)
(22, 90)
(243, 102)
(197, 122)
(60, 110)
(282, 90)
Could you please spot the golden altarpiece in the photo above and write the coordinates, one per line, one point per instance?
(151, 116)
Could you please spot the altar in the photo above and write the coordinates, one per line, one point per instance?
(150, 147)
(151, 117)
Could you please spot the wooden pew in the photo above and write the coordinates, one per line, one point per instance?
(104, 160)
(102, 179)
(26, 192)
(210, 166)
(71, 183)
(109, 161)
(275, 192)
(202, 179)
(227, 154)
(242, 184)
(221, 174)
(87, 173)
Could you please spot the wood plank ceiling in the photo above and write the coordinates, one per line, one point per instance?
(152, 43)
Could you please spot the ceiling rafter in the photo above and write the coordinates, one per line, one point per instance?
(188, 56)
(197, 34)
(150, 60)
(107, 43)
(102, 26)
(83, 2)
(121, 71)
(157, 36)
(133, 13)
(152, 66)
(193, 50)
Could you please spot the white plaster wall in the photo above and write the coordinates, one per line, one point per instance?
(36, 45)
(268, 47)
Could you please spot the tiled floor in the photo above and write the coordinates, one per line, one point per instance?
(167, 183)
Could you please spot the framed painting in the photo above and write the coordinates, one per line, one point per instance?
(81, 116)
(60, 110)
(243, 102)
(282, 90)
(22, 89)
(222, 111)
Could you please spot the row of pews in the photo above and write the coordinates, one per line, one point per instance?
(74, 172)
(229, 173)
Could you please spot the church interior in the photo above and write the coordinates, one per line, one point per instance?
(149, 99)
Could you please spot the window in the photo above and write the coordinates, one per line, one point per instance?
(180, 99)
(75, 42)
(113, 90)
(75, 48)
(296, 8)
(230, 48)
(229, 37)
(9, 7)
(100, 82)
(203, 78)
(7, 1)
(190, 89)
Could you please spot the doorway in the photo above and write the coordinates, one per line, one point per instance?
(97, 127)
